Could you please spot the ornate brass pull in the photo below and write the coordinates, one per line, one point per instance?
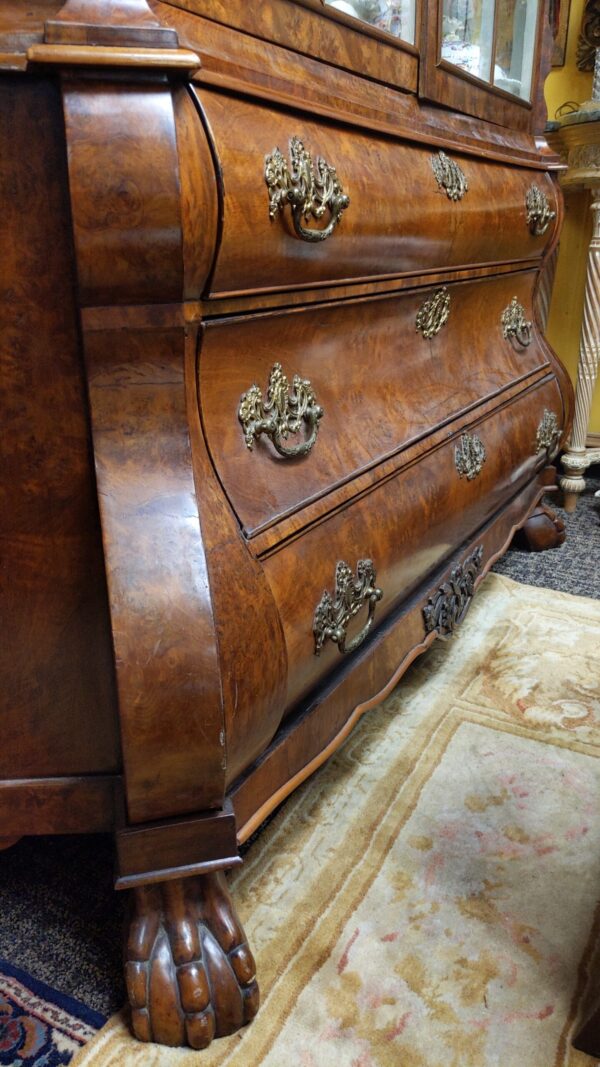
(433, 313)
(333, 613)
(469, 456)
(282, 413)
(548, 433)
(539, 215)
(310, 189)
(449, 176)
(515, 325)
(446, 609)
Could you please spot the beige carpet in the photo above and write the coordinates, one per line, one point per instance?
(428, 899)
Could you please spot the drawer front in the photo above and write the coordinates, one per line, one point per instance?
(406, 526)
(400, 219)
(377, 385)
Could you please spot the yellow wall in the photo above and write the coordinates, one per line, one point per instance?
(564, 323)
(568, 83)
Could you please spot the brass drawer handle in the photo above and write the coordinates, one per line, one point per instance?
(514, 324)
(469, 456)
(449, 176)
(539, 215)
(433, 313)
(333, 613)
(310, 188)
(282, 413)
(548, 433)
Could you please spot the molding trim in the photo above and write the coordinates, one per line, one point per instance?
(108, 56)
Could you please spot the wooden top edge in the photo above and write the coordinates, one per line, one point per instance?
(111, 56)
(409, 129)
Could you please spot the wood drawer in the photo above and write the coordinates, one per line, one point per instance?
(399, 220)
(381, 385)
(407, 526)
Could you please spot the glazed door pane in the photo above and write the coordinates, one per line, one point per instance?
(468, 34)
(493, 40)
(515, 44)
(396, 17)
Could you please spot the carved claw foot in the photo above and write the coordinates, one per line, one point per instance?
(543, 529)
(189, 972)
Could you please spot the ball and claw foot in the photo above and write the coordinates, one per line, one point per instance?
(189, 972)
(543, 529)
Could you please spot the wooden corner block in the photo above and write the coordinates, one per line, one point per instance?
(174, 848)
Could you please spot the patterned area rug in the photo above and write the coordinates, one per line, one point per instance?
(40, 1027)
(429, 898)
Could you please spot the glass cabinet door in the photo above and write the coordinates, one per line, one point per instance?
(479, 56)
(492, 40)
(515, 46)
(396, 17)
(467, 35)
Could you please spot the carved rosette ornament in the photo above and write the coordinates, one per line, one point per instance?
(446, 609)
(548, 433)
(282, 413)
(539, 215)
(433, 313)
(515, 327)
(449, 176)
(469, 456)
(333, 613)
(309, 188)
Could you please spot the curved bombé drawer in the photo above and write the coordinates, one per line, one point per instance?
(407, 526)
(399, 218)
(376, 385)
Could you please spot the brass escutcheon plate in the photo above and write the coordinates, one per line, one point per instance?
(449, 176)
(433, 313)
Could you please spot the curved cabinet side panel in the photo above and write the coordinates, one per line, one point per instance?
(541, 305)
(126, 207)
(124, 176)
(252, 651)
(199, 195)
(163, 629)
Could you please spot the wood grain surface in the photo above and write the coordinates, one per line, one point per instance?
(159, 580)
(380, 233)
(415, 385)
(56, 717)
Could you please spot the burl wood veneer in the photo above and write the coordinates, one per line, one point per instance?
(198, 606)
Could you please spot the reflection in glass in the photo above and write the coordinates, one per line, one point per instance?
(467, 35)
(515, 42)
(394, 16)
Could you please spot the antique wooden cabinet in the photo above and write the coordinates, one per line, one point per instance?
(275, 395)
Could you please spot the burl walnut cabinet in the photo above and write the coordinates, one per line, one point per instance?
(274, 397)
